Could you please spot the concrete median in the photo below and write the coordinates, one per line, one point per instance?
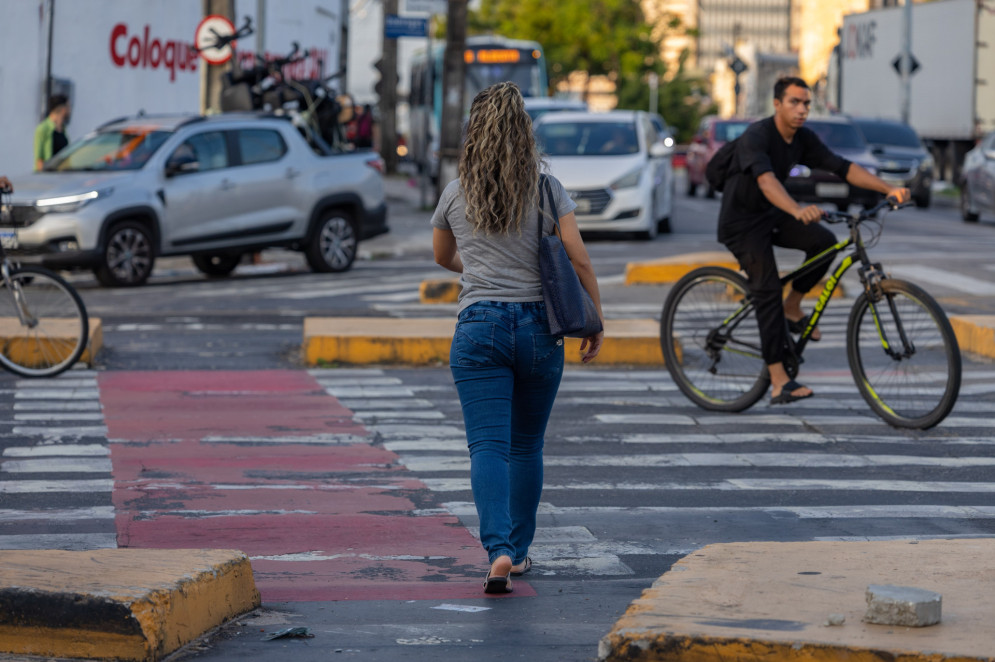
(806, 601)
(975, 333)
(426, 341)
(123, 604)
(59, 334)
(669, 270)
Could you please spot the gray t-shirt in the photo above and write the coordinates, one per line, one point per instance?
(498, 267)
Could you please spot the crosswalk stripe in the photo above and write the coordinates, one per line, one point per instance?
(69, 541)
(62, 405)
(53, 516)
(61, 432)
(53, 486)
(60, 450)
(444, 463)
(745, 485)
(72, 393)
(59, 416)
(57, 465)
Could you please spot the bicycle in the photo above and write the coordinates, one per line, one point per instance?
(44, 328)
(899, 342)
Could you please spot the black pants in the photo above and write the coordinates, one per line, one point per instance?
(755, 251)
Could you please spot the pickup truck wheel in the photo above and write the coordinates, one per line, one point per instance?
(128, 256)
(333, 243)
(217, 265)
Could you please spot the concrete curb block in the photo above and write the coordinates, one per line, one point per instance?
(125, 604)
(805, 601)
(669, 270)
(439, 290)
(975, 333)
(425, 341)
(10, 328)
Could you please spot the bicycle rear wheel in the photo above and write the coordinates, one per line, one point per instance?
(43, 323)
(904, 356)
(711, 341)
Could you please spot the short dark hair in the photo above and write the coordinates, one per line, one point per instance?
(784, 82)
(56, 101)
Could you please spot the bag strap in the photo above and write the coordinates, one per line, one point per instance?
(546, 190)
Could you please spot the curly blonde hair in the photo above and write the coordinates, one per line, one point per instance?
(499, 167)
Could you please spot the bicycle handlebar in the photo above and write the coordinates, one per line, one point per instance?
(844, 217)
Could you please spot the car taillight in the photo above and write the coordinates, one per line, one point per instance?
(377, 164)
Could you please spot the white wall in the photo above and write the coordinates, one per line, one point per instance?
(124, 56)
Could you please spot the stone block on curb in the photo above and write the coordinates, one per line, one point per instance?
(119, 604)
(902, 605)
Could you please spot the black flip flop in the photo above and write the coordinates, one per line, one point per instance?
(526, 568)
(498, 584)
(797, 326)
(786, 394)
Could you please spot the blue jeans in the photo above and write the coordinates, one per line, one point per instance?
(507, 369)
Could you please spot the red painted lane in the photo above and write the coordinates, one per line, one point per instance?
(357, 537)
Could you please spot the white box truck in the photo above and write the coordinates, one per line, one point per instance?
(952, 95)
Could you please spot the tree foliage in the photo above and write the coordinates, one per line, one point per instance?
(601, 37)
(609, 38)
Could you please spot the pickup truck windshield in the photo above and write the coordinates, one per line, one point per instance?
(118, 149)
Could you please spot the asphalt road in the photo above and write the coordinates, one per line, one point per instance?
(636, 476)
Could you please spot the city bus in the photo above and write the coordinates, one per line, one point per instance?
(489, 59)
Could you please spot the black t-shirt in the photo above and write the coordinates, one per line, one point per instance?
(762, 149)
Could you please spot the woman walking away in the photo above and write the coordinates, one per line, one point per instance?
(505, 363)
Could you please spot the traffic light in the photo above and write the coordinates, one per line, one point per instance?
(378, 86)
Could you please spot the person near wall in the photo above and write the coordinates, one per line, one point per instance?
(505, 363)
(50, 135)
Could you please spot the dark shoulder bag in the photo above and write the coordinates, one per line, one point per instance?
(570, 309)
(720, 167)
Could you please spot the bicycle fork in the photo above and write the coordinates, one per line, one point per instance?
(14, 287)
(871, 276)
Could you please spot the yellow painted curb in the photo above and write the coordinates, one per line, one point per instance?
(439, 290)
(22, 348)
(975, 333)
(424, 341)
(671, 269)
(124, 604)
(771, 601)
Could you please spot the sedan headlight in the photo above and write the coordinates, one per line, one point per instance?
(926, 163)
(628, 180)
(69, 203)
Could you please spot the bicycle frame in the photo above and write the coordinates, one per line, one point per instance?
(871, 275)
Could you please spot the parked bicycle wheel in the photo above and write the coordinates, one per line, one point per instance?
(711, 341)
(904, 356)
(43, 323)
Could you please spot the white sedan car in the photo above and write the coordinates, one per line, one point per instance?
(614, 165)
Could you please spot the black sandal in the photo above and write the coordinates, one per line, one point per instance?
(798, 326)
(787, 394)
(497, 584)
(527, 565)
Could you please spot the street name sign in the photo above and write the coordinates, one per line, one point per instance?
(404, 26)
(427, 6)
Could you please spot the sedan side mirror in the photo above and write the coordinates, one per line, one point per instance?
(180, 164)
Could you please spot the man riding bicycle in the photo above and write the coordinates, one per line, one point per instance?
(757, 214)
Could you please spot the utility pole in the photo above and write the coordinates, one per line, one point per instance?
(210, 74)
(388, 93)
(906, 60)
(453, 80)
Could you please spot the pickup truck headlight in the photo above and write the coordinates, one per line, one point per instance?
(628, 180)
(69, 203)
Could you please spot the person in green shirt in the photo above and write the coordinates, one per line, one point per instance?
(50, 135)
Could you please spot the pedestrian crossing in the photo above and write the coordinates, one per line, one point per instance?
(617, 469)
(55, 467)
(632, 469)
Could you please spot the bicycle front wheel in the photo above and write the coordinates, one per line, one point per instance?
(904, 356)
(711, 341)
(43, 324)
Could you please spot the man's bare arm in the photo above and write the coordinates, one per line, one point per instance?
(774, 191)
